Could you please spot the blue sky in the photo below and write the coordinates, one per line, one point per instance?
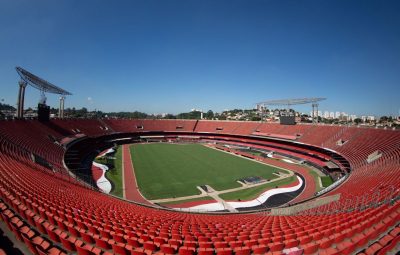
(171, 56)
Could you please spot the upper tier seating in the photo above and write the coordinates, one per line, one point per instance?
(36, 138)
(127, 126)
(79, 126)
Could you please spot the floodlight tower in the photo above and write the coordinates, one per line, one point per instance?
(21, 98)
(289, 102)
(40, 84)
(315, 111)
(61, 109)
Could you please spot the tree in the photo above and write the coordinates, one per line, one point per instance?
(138, 115)
(6, 107)
(53, 110)
(357, 121)
(222, 117)
(209, 115)
(189, 115)
(383, 119)
(98, 114)
(169, 116)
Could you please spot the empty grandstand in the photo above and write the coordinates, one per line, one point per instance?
(163, 150)
(50, 203)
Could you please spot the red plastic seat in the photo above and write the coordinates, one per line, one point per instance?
(105, 233)
(68, 243)
(385, 240)
(191, 244)
(206, 245)
(205, 251)
(291, 243)
(183, 250)
(310, 248)
(325, 243)
(175, 242)
(87, 238)
(103, 244)
(259, 249)
(277, 239)
(138, 251)
(168, 249)
(50, 251)
(278, 246)
(54, 235)
(119, 238)
(305, 239)
(346, 247)
(30, 244)
(134, 242)
(160, 240)
(317, 236)
(203, 239)
(242, 251)
(339, 237)
(150, 246)
(373, 249)
(250, 243)
(221, 245)
(73, 231)
(329, 251)
(264, 241)
(119, 248)
(224, 251)
(235, 244)
(84, 251)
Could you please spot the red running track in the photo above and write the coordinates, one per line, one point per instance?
(310, 187)
(131, 187)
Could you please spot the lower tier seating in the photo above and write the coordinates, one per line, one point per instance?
(54, 215)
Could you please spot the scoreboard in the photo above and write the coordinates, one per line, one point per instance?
(289, 119)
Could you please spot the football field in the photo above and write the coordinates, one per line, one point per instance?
(174, 170)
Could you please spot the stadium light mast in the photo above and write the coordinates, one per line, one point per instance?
(40, 84)
(21, 98)
(61, 108)
(314, 111)
(289, 102)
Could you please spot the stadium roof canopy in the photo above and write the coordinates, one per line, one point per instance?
(39, 83)
(292, 101)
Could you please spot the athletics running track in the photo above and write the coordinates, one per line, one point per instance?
(131, 191)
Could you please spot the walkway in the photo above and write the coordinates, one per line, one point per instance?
(131, 189)
(214, 194)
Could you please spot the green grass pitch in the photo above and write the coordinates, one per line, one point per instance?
(326, 181)
(174, 170)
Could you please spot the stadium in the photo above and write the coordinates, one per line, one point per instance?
(196, 186)
(199, 127)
